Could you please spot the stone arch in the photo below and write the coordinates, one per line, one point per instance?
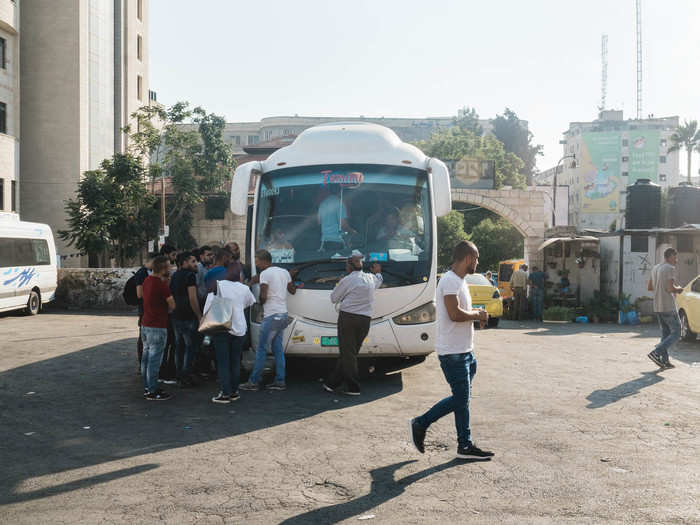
(523, 209)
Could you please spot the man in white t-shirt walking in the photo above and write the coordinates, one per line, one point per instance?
(275, 283)
(663, 283)
(455, 349)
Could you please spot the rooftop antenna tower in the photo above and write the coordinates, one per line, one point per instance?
(639, 58)
(604, 74)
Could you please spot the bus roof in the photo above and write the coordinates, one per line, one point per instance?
(346, 143)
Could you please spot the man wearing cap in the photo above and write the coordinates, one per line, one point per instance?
(355, 294)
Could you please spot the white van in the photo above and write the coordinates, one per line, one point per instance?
(28, 269)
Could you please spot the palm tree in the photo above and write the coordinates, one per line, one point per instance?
(686, 136)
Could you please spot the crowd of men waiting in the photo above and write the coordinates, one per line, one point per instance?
(174, 290)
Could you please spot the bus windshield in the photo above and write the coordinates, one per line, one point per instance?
(313, 218)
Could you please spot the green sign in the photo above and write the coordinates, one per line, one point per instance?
(600, 165)
(643, 156)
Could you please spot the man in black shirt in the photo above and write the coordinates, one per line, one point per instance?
(183, 286)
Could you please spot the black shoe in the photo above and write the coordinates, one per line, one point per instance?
(351, 391)
(329, 388)
(473, 452)
(668, 364)
(656, 359)
(417, 435)
(235, 396)
(158, 396)
(221, 398)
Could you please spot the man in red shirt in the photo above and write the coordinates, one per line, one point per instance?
(157, 303)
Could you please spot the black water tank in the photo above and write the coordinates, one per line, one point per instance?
(643, 205)
(683, 206)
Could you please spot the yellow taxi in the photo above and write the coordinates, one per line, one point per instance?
(485, 295)
(688, 304)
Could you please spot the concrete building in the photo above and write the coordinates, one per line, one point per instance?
(242, 134)
(9, 105)
(610, 154)
(84, 70)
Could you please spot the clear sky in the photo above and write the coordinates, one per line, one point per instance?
(414, 58)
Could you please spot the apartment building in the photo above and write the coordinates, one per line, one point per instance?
(84, 71)
(9, 105)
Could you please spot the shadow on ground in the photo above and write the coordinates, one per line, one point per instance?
(601, 398)
(86, 408)
(384, 488)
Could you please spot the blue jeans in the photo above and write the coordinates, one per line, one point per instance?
(185, 346)
(271, 334)
(537, 295)
(459, 370)
(670, 325)
(228, 360)
(154, 340)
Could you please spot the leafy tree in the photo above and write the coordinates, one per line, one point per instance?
(113, 214)
(468, 119)
(497, 240)
(686, 136)
(450, 231)
(187, 146)
(517, 139)
(456, 143)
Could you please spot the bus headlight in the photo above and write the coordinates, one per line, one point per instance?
(496, 295)
(421, 315)
(256, 313)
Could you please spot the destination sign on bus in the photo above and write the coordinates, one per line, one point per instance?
(352, 179)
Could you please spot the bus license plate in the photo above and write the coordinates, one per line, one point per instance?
(328, 340)
(478, 306)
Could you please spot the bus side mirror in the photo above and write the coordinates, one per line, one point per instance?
(240, 186)
(442, 194)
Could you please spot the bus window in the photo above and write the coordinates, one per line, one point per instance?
(306, 215)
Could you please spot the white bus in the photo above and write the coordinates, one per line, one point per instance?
(28, 269)
(340, 189)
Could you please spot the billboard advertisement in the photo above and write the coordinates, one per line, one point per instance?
(599, 160)
(643, 155)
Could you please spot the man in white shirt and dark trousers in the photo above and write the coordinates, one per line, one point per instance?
(229, 345)
(455, 349)
(355, 294)
(275, 283)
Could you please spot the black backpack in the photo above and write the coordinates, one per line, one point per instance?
(129, 293)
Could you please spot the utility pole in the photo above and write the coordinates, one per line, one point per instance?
(604, 72)
(639, 58)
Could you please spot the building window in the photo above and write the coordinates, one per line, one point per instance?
(139, 86)
(3, 117)
(640, 243)
(662, 177)
(625, 173)
(625, 159)
(139, 47)
(625, 143)
(139, 9)
(252, 139)
(662, 159)
(13, 187)
(237, 140)
(2, 194)
(3, 53)
(215, 208)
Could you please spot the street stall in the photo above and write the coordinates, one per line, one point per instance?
(572, 269)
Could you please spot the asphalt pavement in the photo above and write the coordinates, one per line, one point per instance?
(584, 427)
